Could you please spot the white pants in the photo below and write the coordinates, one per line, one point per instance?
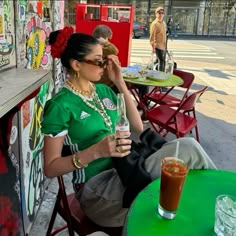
(98, 233)
(101, 197)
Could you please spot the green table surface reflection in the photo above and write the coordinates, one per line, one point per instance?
(173, 80)
(196, 212)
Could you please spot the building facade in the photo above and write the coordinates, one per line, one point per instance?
(192, 17)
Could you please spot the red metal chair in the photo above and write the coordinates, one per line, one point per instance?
(165, 98)
(68, 207)
(180, 121)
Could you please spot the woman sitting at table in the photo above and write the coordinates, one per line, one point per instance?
(83, 116)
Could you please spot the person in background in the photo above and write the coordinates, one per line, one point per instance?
(104, 33)
(169, 27)
(83, 116)
(158, 37)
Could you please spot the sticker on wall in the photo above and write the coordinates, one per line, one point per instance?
(1, 26)
(40, 9)
(46, 14)
(21, 12)
(14, 133)
(7, 34)
(26, 113)
(1, 22)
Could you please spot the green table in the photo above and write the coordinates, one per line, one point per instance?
(195, 216)
(173, 80)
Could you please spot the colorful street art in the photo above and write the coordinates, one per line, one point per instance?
(33, 181)
(58, 14)
(34, 53)
(21, 9)
(21, 198)
(38, 52)
(59, 75)
(7, 44)
(32, 32)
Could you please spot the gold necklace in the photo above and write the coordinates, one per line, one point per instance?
(83, 92)
(95, 104)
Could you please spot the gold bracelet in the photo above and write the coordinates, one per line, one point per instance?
(77, 163)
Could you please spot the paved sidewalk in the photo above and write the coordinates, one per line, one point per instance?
(216, 114)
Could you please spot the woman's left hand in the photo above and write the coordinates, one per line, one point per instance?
(114, 69)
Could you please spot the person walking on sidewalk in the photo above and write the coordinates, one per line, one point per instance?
(158, 37)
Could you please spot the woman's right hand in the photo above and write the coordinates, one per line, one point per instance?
(114, 69)
(113, 146)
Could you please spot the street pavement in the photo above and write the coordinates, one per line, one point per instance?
(216, 109)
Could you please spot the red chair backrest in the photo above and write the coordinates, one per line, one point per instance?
(64, 198)
(186, 76)
(189, 103)
(76, 219)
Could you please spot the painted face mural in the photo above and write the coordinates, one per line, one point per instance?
(37, 48)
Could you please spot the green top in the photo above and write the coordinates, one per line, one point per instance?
(195, 215)
(83, 126)
(174, 80)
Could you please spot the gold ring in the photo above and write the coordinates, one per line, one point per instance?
(118, 150)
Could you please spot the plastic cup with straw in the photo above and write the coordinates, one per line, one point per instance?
(173, 174)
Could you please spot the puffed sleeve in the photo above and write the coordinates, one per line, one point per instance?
(55, 119)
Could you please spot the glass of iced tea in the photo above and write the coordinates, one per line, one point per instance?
(173, 173)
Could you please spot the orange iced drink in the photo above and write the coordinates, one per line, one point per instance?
(173, 173)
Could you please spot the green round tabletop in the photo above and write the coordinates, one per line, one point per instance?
(173, 80)
(196, 213)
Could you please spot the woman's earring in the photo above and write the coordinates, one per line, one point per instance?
(76, 75)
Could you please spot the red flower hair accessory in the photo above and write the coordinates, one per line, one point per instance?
(62, 38)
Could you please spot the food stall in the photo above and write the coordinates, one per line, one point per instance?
(118, 17)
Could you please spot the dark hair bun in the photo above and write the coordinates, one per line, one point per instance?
(53, 37)
(79, 45)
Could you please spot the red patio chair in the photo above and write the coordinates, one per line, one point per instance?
(68, 207)
(165, 98)
(178, 121)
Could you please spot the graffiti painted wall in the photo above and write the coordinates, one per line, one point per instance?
(33, 28)
(33, 180)
(34, 20)
(58, 18)
(7, 35)
(34, 24)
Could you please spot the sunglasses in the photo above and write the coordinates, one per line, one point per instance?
(100, 63)
(160, 12)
